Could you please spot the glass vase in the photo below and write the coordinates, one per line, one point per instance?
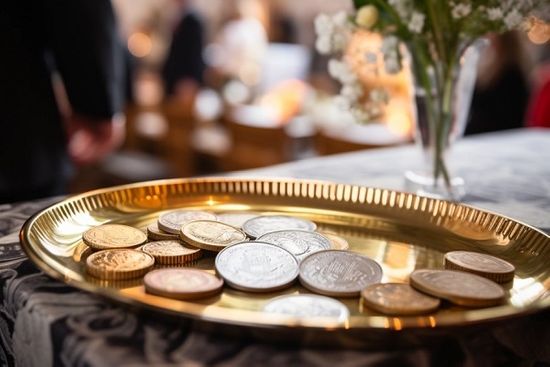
(442, 98)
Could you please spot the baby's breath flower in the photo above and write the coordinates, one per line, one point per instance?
(494, 13)
(513, 19)
(417, 22)
(461, 10)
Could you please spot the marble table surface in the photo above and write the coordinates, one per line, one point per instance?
(44, 322)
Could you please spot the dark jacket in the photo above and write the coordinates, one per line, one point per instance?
(78, 38)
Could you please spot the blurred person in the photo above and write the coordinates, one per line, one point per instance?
(243, 42)
(183, 69)
(502, 89)
(76, 40)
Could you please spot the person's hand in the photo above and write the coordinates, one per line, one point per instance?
(90, 141)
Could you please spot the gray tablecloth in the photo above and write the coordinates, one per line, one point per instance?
(45, 323)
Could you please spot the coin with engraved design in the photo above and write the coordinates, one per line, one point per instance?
(458, 287)
(338, 273)
(305, 306)
(182, 283)
(256, 266)
(300, 243)
(171, 252)
(398, 299)
(108, 236)
(172, 222)
(118, 264)
(488, 266)
(211, 235)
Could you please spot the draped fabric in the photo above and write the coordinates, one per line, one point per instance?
(44, 322)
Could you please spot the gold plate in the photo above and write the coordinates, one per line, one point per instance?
(401, 231)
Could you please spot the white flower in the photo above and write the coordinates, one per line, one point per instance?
(361, 115)
(417, 22)
(379, 95)
(340, 19)
(513, 19)
(339, 41)
(352, 92)
(323, 45)
(342, 102)
(389, 44)
(402, 7)
(461, 10)
(392, 66)
(494, 13)
(323, 25)
(341, 71)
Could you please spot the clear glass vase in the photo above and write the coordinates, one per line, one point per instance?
(443, 94)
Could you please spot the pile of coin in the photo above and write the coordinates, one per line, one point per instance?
(266, 253)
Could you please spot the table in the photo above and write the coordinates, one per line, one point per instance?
(45, 323)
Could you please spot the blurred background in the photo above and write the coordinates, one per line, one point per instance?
(221, 85)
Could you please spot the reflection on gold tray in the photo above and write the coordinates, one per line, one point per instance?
(401, 231)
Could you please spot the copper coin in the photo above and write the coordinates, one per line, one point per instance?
(172, 222)
(211, 235)
(119, 264)
(171, 252)
(338, 273)
(109, 236)
(182, 283)
(398, 299)
(458, 287)
(485, 265)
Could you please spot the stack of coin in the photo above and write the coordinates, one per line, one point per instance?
(182, 283)
(154, 233)
(298, 242)
(338, 273)
(458, 287)
(256, 266)
(484, 265)
(171, 252)
(172, 222)
(261, 225)
(111, 236)
(211, 235)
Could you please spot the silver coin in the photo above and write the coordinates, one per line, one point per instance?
(261, 225)
(256, 266)
(172, 222)
(308, 305)
(236, 219)
(338, 273)
(299, 243)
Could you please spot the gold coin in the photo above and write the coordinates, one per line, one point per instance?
(487, 266)
(119, 264)
(182, 283)
(108, 236)
(398, 299)
(156, 234)
(336, 242)
(171, 252)
(211, 235)
(172, 222)
(458, 287)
